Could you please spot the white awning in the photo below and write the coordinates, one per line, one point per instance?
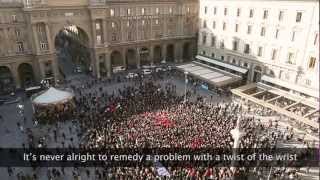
(219, 63)
(210, 75)
(53, 96)
(279, 82)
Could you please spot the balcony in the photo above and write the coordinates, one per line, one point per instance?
(34, 3)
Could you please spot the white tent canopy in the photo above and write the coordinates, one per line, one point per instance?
(53, 96)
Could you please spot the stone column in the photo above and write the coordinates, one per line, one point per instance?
(108, 64)
(104, 31)
(35, 39)
(177, 53)
(49, 40)
(151, 55)
(15, 74)
(95, 63)
(94, 33)
(55, 68)
(124, 57)
(42, 70)
(164, 52)
(138, 58)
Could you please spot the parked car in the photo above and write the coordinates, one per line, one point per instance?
(132, 75)
(146, 71)
(160, 69)
(78, 69)
(118, 69)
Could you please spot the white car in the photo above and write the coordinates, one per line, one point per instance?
(146, 71)
(118, 69)
(132, 75)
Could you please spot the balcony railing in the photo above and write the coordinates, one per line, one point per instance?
(11, 3)
(34, 3)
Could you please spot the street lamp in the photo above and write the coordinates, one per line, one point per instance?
(185, 85)
(237, 134)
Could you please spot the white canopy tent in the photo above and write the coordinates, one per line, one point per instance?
(52, 96)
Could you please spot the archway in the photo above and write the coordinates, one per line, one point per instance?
(271, 73)
(116, 59)
(157, 54)
(257, 74)
(26, 75)
(73, 53)
(186, 52)
(170, 53)
(144, 56)
(6, 80)
(131, 59)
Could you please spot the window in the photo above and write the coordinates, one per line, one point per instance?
(130, 36)
(43, 46)
(274, 54)
(222, 44)
(213, 41)
(111, 12)
(213, 24)
(157, 10)
(143, 22)
(114, 37)
(113, 25)
(293, 36)
(236, 28)
(204, 52)
(290, 58)
(238, 12)
(98, 39)
(170, 10)
(157, 21)
(224, 26)
(222, 58)
(245, 64)
(143, 11)
(128, 23)
(251, 13)
(263, 31)
(312, 62)
(277, 34)
(204, 39)
(234, 61)
(265, 14)
(188, 10)
(249, 29)
(205, 10)
(308, 82)
(246, 48)
(204, 24)
(280, 18)
(212, 55)
(260, 51)
(18, 33)
(235, 45)
(225, 11)
(98, 26)
(215, 10)
(14, 18)
(299, 17)
(315, 39)
(128, 11)
(20, 47)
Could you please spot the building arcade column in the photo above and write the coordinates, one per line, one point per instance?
(95, 63)
(108, 64)
(151, 55)
(164, 52)
(138, 58)
(15, 74)
(49, 40)
(35, 39)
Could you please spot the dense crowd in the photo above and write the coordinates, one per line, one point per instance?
(147, 113)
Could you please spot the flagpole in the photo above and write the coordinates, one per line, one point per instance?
(185, 85)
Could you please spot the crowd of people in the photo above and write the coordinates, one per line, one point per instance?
(151, 113)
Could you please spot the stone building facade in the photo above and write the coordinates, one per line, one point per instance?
(120, 33)
(276, 41)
